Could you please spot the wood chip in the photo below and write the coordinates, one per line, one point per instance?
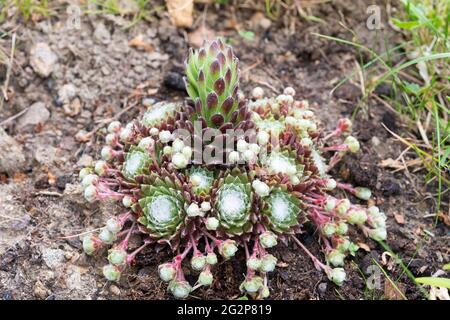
(391, 292)
(180, 12)
(399, 217)
(139, 43)
(364, 246)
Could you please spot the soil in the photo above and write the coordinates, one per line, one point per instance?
(41, 205)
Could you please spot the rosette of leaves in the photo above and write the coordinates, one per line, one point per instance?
(159, 115)
(204, 180)
(212, 82)
(233, 200)
(281, 210)
(136, 163)
(162, 206)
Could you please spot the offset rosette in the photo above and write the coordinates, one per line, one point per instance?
(163, 206)
(233, 201)
(136, 163)
(159, 115)
(281, 210)
(212, 82)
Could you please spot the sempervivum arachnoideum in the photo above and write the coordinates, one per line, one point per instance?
(274, 179)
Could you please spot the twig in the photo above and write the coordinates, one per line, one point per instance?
(79, 234)
(8, 72)
(49, 193)
(14, 116)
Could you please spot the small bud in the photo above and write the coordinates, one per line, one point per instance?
(363, 193)
(265, 292)
(111, 273)
(330, 184)
(263, 138)
(302, 124)
(107, 153)
(167, 150)
(357, 216)
(248, 155)
(205, 278)
(291, 170)
(126, 134)
(187, 152)
(344, 246)
(90, 193)
(343, 206)
(90, 244)
(254, 148)
(205, 206)
(117, 256)
(84, 173)
(154, 131)
(345, 125)
(179, 161)
(373, 211)
(146, 143)
(289, 91)
(257, 93)
(268, 239)
(352, 144)
(342, 228)
(337, 275)
(167, 271)
(261, 188)
(177, 145)
(329, 229)
(111, 139)
(198, 262)
(379, 222)
(336, 258)
(127, 201)
(89, 180)
(211, 258)
(378, 234)
(290, 121)
(196, 180)
(233, 157)
(253, 285)
(330, 204)
(107, 236)
(268, 263)
(180, 289)
(114, 127)
(113, 225)
(242, 145)
(101, 167)
(212, 223)
(295, 180)
(228, 248)
(165, 136)
(254, 263)
(193, 210)
(306, 142)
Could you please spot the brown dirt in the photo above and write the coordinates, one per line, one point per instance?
(43, 204)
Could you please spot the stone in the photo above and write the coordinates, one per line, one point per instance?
(40, 291)
(101, 34)
(12, 158)
(36, 114)
(66, 93)
(43, 59)
(53, 258)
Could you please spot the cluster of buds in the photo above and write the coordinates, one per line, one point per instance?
(277, 179)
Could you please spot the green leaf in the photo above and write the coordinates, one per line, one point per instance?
(242, 298)
(412, 88)
(446, 267)
(247, 35)
(434, 281)
(408, 25)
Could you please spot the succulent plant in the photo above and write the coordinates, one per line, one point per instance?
(270, 181)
